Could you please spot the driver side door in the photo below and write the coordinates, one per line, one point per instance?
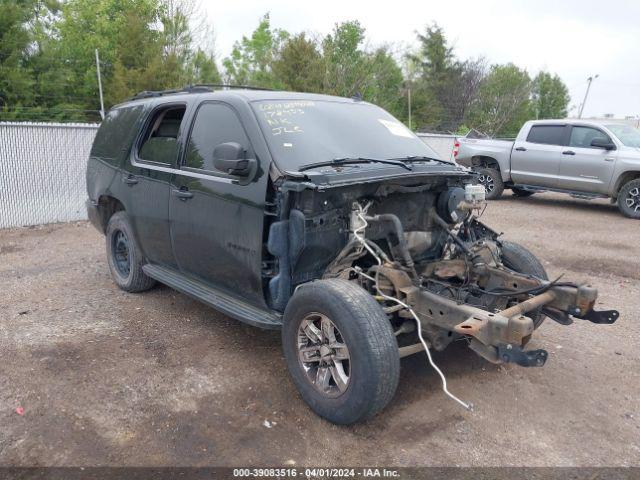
(216, 219)
(583, 167)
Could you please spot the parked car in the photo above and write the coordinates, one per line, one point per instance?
(583, 158)
(326, 218)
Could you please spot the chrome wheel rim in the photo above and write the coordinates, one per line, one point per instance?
(487, 181)
(633, 199)
(323, 355)
(120, 248)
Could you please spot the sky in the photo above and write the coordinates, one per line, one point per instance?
(575, 39)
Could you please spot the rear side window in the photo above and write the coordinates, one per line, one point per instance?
(547, 134)
(159, 144)
(581, 137)
(215, 123)
(117, 133)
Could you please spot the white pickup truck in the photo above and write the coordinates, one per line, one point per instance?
(583, 158)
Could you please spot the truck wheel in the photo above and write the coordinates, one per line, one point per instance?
(521, 260)
(629, 199)
(519, 192)
(124, 256)
(491, 179)
(340, 350)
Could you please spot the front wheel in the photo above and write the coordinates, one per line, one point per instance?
(521, 260)
(629, 199)
(491, 179)
(340, 350)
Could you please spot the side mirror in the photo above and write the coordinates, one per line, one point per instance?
(601, 142)
(231, 158)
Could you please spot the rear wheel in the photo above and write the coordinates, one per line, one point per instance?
(124, 256)
(629, 199)
(340, 350)
(521, 260)
(491, 179)
(519, 192)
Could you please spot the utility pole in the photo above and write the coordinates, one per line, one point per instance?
(409, 104)
(100, 85)
(589, 80)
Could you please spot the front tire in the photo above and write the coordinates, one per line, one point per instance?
(521, 260)
(629, 199)
(340, 350)
(491, 179)
(124, 256)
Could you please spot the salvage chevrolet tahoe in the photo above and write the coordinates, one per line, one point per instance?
(326, 218)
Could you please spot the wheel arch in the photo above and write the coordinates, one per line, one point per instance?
(107, 206)
(485, 161)
(623, 179)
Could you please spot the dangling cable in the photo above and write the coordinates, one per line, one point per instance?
(357, 233)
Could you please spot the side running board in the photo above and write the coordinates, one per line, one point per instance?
(214, 298)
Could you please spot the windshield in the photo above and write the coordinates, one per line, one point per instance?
(629, 136)
(305, 132)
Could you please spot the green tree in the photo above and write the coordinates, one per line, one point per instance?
(16, 79)
(443, 87)
(252, 57)
(345, 62)
(503, 102)
(550, 96)
(300, 65)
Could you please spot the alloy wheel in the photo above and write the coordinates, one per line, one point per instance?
(324, 355)
(633, 199)
(487, 182)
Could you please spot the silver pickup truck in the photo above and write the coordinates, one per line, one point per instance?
(585, 159)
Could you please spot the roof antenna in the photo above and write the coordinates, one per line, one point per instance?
(357, 97)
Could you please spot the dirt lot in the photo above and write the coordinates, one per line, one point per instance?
(109, 378)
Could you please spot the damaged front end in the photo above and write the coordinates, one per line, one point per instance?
(418, 247)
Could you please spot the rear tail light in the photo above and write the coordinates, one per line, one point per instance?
(456, 147)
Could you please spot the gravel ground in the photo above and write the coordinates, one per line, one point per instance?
(110, 378)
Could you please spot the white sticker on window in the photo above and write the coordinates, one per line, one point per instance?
(396, 128)
(289, 145)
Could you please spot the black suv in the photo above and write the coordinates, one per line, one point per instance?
(325, 217)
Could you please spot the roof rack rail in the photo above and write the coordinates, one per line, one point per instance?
(196, 88)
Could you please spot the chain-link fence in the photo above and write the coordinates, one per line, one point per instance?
(42, 172)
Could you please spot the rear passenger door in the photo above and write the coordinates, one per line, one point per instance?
(154, 157)
(217, 218)
(536, 160)
(585, 168)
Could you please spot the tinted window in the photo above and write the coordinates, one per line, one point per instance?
(159, 143)
(215, 124)
(581, 137)
(117, 131)
(300, 132)
(547, 134)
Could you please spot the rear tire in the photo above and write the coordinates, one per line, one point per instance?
(366, 349)
(629, 199)
(519, 192)
(124, 256)
(521, 260)
(491, 179)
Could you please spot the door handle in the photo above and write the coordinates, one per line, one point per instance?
(568, 152)
(183, 194)
(130, 180)
(521, 149)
